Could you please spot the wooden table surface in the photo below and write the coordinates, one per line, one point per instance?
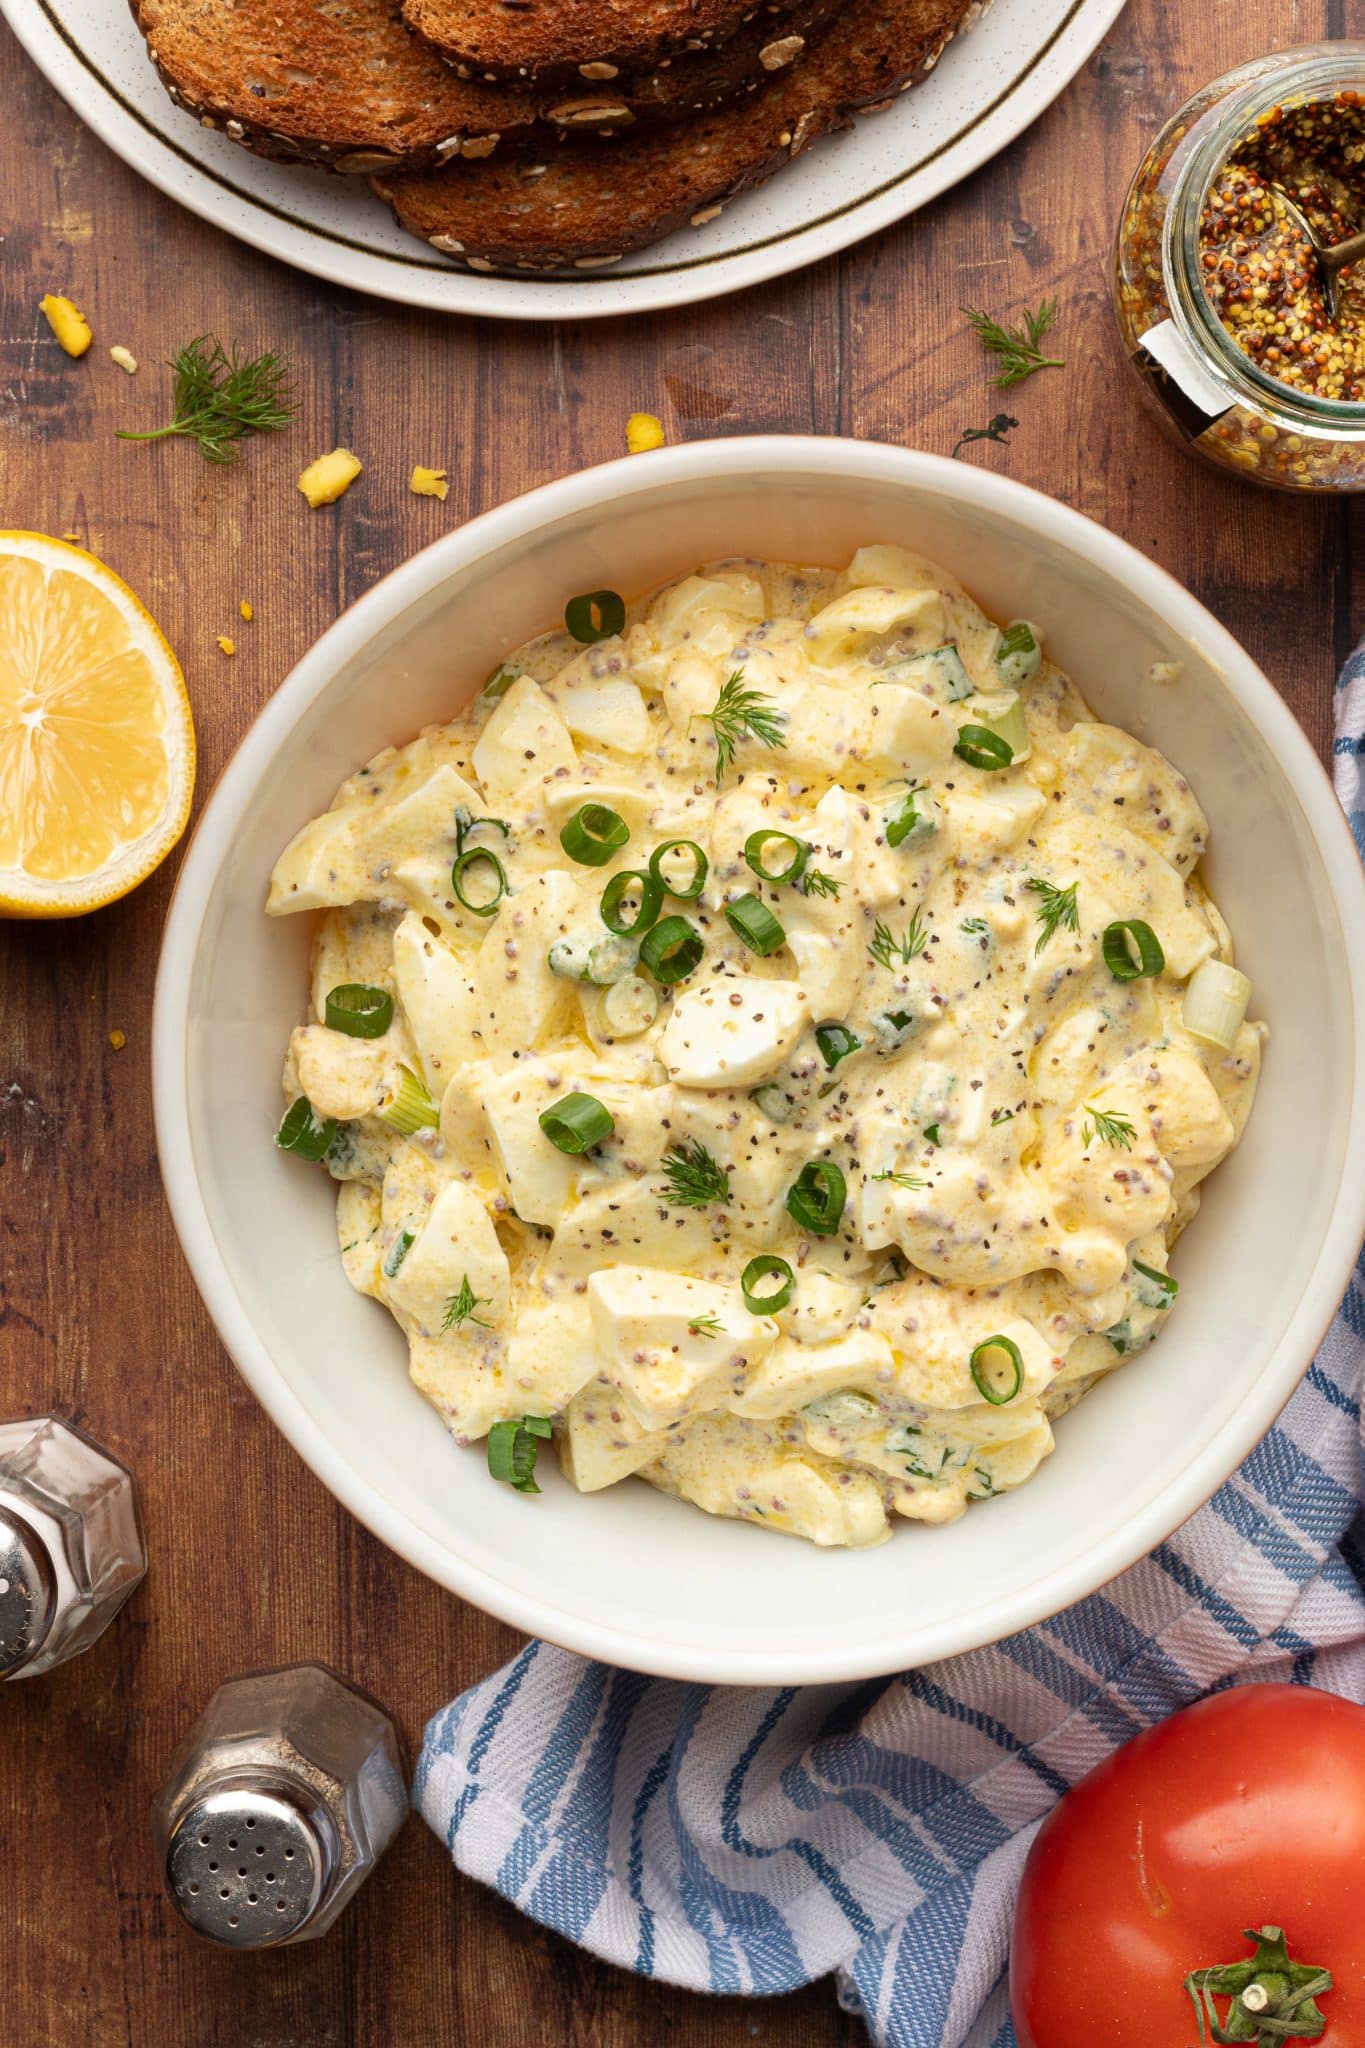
(252, 1562)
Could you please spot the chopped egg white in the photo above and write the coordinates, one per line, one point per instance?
(994, 1138)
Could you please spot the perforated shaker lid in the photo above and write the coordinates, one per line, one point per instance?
(250, 1861)
(27, 1594)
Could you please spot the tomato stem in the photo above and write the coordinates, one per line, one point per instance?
(1272, 1999)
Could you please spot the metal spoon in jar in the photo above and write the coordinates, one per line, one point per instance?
(1330, 257)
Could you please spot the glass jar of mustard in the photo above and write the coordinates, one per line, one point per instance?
(1249, 353)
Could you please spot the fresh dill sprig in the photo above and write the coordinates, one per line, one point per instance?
(1111, 1127)
(221, 397)
(975, 927)
(995, 430)
(1017, 349)
(817, 883)
(1002, 1116)
(695, 1177)
(901, 1180)
(889, 951)
(742, 714)
(1056, 908)
(709, 1325)
(460, 1308)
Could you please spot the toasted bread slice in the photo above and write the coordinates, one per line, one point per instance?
(348, 85)
(572, 42)
(586, 208)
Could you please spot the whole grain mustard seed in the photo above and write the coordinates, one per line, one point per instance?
(1259, 272)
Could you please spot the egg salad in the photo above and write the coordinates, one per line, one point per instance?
(768, 1044)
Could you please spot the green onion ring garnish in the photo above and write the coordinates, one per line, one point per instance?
(672, 949)
(836, 1042)
(481, 856)
(359, 1009)
(905, 819)
(412, 1108)
(696, 881)
(595, 616)
(577, 1122)
(512, 1448)
(753, 922)
(765, 1267)
(398, 1251)
(304, 1131)
(979, 747)
(593, 834)
(796, 865)
(1117, 946)
(1014, 1360)
(816, 1197)
(615, 893)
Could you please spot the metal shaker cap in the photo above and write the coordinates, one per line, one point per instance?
(27, 1594)
(250, 1859)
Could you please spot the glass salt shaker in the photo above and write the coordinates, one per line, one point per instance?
(71, 1547)
(280, 1801)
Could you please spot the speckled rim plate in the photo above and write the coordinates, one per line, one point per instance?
(989, 87)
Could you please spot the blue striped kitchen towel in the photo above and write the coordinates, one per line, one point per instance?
(743, 1840)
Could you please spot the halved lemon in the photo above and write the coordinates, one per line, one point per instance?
(96, 738)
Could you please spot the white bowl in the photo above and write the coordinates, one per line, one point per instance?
(630, 1575)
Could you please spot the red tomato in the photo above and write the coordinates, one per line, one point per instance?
(1245, 1811)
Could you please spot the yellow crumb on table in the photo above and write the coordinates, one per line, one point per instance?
(644, 432)
(228, 646)
(71, 535)
(118, 1039)
(247, 610)
(67, 322)
(323, 482)
(125, 359)
(428, 483)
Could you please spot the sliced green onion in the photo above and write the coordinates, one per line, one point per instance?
(595, 616)
(499, 683)
(512, 1448)
(1120, 1336)
(934, 1133)
(304, 1131)
(630, 1006)
(1018, 658)
(836, 1042)
(773, 1101)
(568, 957)
(767, 1266)
(907, 821)
(894, 1027)
(1215, 1003)
(942, 669)
(614, 896)
(359, 1009)
(997, 1368)
(671, 950)
(398, 1251)
(816, 1198)
(1159, 1289)
(753, 922)
(695, 882)
(479, 856)
(611, 960)
(796, 856)
(412, 1108)
(576, 1123)
(979, 747)
(593, 835)
(845, 1409)
(1131, 949)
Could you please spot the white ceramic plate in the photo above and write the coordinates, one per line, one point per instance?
(628, 1574)
(990, 85)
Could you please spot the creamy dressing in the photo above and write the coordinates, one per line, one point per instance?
(1021, 1134)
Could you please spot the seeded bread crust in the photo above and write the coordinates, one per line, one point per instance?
(585, 209)
(281, 77)
(569, 42)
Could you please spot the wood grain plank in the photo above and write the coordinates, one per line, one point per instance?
(253, 1563)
